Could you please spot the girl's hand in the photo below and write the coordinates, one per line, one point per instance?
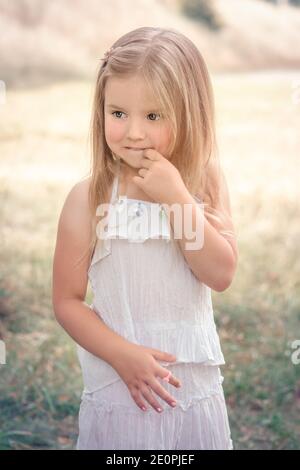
(138, 368)
(159, 178)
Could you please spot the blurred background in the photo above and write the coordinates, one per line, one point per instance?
(49, 54)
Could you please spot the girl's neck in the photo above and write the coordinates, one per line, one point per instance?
(126, 186)
(126, 172)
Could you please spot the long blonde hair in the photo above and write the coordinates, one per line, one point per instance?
(175, 70)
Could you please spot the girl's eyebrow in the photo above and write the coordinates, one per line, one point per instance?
(120, 107)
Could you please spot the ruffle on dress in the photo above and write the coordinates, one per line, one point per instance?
(110, 418)
(134, 220)
(193, 344)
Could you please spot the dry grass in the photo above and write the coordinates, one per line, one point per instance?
(44, 152)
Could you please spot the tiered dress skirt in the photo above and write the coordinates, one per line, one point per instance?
(110, 419)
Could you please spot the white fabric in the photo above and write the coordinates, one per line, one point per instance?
(145, 291)
(109, 419)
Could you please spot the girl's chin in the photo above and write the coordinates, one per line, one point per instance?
(132, 163)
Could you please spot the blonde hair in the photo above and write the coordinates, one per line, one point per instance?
(175, 71)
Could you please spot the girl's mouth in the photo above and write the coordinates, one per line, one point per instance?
(136, 149)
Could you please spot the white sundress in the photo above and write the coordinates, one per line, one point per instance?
(145, 291)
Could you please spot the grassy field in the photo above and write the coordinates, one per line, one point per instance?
(44, 151)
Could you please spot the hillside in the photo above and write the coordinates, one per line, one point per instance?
(42, 41)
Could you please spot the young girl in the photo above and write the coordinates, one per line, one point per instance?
(148, 345)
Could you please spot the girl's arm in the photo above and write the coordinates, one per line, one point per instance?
(215, 262)
(70, 280)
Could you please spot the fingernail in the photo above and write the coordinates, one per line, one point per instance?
(159, 409)
(173, 403)
(144, 408)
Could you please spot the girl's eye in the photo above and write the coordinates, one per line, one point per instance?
(150, 114)
(154, 114)
(117, 112)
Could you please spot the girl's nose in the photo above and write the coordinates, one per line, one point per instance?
(135, 131)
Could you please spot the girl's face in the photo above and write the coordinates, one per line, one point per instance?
(133, 121)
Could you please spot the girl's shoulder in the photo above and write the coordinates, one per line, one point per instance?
(77, 199)
(75, 215)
